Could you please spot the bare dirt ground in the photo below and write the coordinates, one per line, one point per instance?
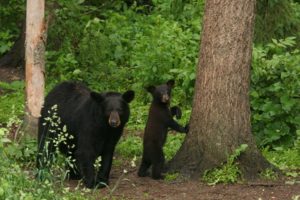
(8, 74)
(130, 186)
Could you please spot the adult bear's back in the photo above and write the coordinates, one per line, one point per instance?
(68, 96)
(72, 103)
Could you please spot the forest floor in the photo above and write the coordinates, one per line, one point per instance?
(129, 186)
(8, 74)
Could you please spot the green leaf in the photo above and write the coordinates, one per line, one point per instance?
(287, 102)
(192, 76)
(254, 94)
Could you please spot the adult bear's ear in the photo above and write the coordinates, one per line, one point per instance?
(128, 96)
(97, 96)
(150, 88)
(171, 83)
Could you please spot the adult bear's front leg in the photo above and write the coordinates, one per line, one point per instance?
(106, 162)
(85, 160)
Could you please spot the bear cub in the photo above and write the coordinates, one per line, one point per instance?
(160, 119)
(94, 123)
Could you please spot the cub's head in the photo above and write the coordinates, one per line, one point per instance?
(114, 106)
(162, 93)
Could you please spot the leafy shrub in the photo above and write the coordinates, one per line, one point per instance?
(172, 145)
(171, 176)
(54, 165)
(123, 49)
(269, 174)
(12, 13)
(286, 159)
(12, 100)
(165, 49)
(130, 146)
(63, 40)
(138, 116)
(228, 172)
(276, 19)
(275, 93)
(66, 66)
(5, 42)
(104, 51)
(16, 180)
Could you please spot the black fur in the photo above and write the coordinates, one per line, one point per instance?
(159, 120)
(94, 120)
(176, 111)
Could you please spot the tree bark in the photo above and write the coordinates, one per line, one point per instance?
(34, 59)
(220, 119)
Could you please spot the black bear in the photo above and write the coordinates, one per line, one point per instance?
(94, 123)
(159, 120)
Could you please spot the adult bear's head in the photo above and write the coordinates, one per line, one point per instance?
(114, 106)
(162, 93)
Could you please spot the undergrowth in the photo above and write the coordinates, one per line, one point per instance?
(286, 159)
(17, 180)
(11, 100)
(228, 172)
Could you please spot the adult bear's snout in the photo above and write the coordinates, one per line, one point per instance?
(114, 119)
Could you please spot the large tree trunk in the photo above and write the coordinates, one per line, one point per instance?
(220, 120)
(34, 56)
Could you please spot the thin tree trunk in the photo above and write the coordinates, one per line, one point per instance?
(34, 68)
(220, 120)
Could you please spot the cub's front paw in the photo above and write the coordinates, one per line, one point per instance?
(187, 128)
(176, 111)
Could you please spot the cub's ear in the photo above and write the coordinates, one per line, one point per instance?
(97, 96)
(128, 96)
(171, 83)
(150, 88)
